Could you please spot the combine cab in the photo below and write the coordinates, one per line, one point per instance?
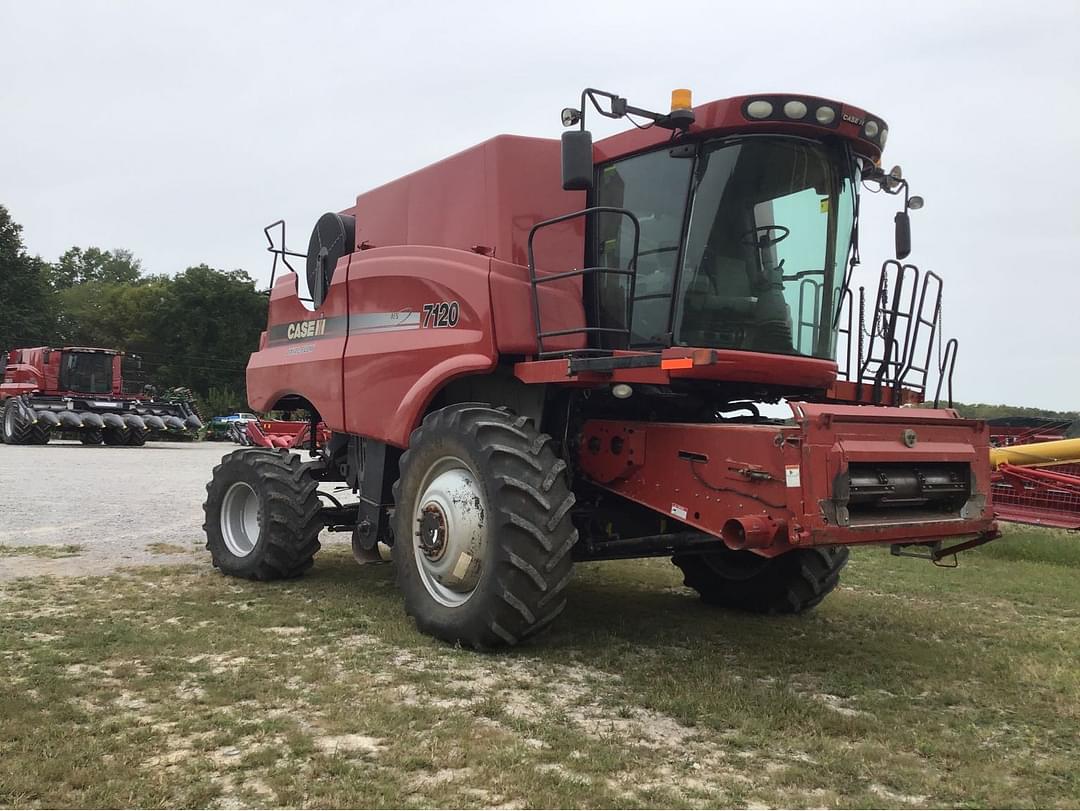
(641, 360)
(80, 391)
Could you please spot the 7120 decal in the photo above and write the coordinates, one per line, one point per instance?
(440, 314)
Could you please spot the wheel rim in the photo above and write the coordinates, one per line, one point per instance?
(449, 516)
(240, 519)
(9, 421)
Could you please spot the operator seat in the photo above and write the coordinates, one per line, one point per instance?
(719, 303)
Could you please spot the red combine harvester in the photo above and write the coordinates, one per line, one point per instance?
(80, 390)
(519, 373)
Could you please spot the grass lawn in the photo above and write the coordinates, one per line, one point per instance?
(910, 686)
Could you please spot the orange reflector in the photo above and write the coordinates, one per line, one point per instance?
(677, 363)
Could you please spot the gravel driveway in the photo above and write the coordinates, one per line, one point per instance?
(122, 506)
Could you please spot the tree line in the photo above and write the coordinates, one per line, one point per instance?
(194, 329)
(987, 411)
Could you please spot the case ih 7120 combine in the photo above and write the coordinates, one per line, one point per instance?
(520, 373)
(80, 390)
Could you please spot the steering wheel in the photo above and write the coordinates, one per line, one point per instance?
(802, 274)
(764, 241)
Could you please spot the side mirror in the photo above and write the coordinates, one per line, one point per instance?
(903, 234)
(577, 160)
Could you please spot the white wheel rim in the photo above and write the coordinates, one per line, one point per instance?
(9, 421)
(448, 522)
(240, 519)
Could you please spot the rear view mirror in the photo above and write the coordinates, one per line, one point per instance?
(903, 234)
(577, 160)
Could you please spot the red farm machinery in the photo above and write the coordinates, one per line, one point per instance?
(81, 391)
(519, 373)
(281, 434)
(1036, 478)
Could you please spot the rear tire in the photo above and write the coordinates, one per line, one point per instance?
(482, 531)
(262, 514)
(137, 438)
(790, 583)
(92, 436)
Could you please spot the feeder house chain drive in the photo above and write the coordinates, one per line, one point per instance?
(538, 352)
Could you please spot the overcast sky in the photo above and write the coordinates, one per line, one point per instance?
(178, 130)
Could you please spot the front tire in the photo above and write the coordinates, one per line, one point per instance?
(262, 514)
(39, 435)
(12, 429)
(116, 436)
(791, 583)
(482, 531)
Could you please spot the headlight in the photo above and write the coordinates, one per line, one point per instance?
(825, 115)
(759, 109)
(795, 109)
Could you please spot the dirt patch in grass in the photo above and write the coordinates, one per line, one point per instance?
(910, 686)
(49, 552)
(167, 549)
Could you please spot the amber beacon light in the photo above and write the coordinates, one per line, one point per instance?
(680, 99)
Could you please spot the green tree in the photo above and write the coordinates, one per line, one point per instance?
(27, 306)
(989, 411)
(224, 401)
(78, 266)
(111, 315)
(204, 328)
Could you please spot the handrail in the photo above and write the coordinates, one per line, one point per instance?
(629, 271)
(281, 252)
(947, 362)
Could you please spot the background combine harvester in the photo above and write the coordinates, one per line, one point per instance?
(519, 373)
(81, 391)
(1036, 472)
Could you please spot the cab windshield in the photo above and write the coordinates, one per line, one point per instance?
(86, 372)
(743, 246)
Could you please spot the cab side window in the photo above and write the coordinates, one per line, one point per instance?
(654, 187)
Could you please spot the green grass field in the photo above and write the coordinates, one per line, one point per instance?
(909, 686)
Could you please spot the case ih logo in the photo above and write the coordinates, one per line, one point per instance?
(306, 329)
(311, 330)
(854, 119)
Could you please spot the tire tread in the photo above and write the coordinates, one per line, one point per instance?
(791, 583)
(529, 503)
(289, 507)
